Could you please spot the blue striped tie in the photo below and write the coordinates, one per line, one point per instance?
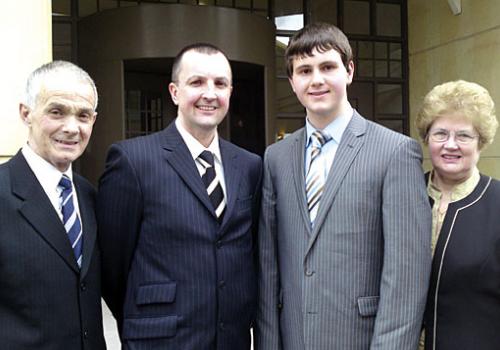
(315, 178)
(71, 220)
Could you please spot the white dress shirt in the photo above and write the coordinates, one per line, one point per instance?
(48, 177)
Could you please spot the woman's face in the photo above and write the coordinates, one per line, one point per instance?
(453, 147)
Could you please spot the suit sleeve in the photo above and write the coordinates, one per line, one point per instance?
(119, 212)
(407, 253)
(267, 334)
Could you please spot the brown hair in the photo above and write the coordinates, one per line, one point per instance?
(319, 36)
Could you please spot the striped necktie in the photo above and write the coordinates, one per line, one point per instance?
(71, 220)
(212, 184)
(315, 178)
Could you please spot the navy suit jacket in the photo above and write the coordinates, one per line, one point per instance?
(174, 277)
(46, 301)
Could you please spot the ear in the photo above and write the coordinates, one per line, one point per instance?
(350, 72)
(25, 114)
(172, 88)
(290, 80)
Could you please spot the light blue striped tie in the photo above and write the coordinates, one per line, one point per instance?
(71, 220)
(315, 178)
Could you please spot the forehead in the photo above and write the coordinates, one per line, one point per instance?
(65, 90)
(206, 65)
(316, 56)
(453, 121)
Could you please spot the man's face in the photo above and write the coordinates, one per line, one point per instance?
(60, 123)
(202, 91)
(320, 83)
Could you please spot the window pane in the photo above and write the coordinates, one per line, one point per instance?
(260, 5)
(87, 7)
(389, 19)
(357, 17)
(380, 50)
(395, 51)
(323, 11)
(365, 68)
(396, 125)
(381, 69)
(61, 7)
(365, 49)
(389, 99)
(289, 22)
(395, 69)
(61, 33)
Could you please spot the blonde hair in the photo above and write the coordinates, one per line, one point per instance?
(463, 99)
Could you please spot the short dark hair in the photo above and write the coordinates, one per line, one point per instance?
(204, 48)
(319, 36)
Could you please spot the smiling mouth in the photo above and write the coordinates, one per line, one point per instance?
(67, 142)
(207, 108)
(451, 157)
(318, 93)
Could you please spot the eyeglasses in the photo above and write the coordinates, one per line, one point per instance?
(443, 135)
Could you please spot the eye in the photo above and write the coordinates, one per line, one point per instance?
(55, 112)
(303, 71)
(465, 137)
(439, 135)
(221, 84)
(85, 117)
(328, 67)
(195, 83)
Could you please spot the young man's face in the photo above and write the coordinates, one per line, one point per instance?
(320, 83)
(202, 91)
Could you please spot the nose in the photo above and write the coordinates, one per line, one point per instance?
(71, 125)
(317, 77)
(451, 143)
(209, 92)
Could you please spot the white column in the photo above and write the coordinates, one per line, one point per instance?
(26, 42)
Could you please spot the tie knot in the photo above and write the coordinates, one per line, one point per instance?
(319, 138)
(207, 159)
(65, 182)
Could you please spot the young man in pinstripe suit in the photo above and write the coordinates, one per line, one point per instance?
(344, 234)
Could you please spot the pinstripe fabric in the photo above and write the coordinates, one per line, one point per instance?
(172, 275)
(358, 279)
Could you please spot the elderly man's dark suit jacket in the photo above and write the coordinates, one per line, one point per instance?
(172, 275)
(46, 301)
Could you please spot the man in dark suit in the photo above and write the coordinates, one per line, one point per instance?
(49, 263)
(177, 213)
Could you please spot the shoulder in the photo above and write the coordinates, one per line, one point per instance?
(241, 152)
(282, 147)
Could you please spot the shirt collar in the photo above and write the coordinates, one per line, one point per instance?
(335, 129)
(195, 147)
(48, 175)
(459, 192)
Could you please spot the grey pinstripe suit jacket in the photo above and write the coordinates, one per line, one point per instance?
(359, 279)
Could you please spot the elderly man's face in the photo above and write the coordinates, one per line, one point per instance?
(60, 124)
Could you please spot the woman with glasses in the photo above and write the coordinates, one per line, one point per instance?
(457, 121)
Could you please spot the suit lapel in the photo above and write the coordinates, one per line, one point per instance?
(180, 159)
(298, 150)
(232, 177)
(38, 210)
(89, 227)
(350, 145)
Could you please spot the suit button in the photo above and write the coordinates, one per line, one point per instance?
(218, 244)
(222, 284)
(222, 326)
(309, 273)
(83, 287)
(85, 334)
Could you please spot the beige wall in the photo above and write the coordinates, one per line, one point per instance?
(26, 37)
(445, 47)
